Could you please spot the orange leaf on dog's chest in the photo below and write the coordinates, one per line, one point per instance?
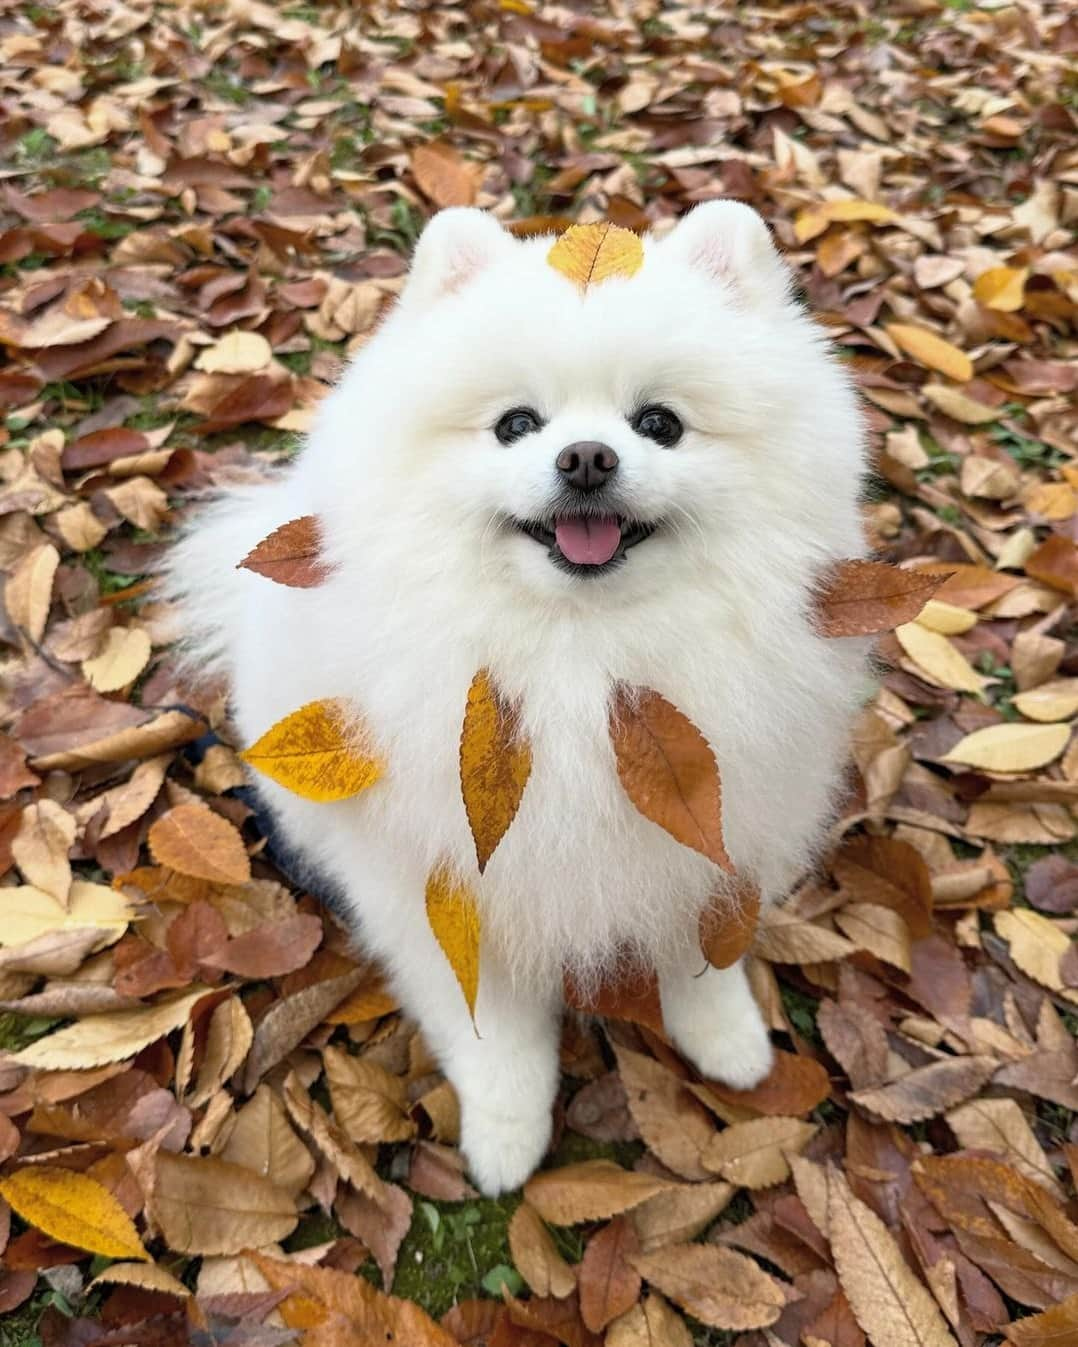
(864, 598)
(494, 766)
(668, 770)
(290, 555)
(590, 253)
(728, 925)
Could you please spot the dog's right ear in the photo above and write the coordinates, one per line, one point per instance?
(456, 245)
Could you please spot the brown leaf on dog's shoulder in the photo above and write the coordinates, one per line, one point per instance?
(668, 770)
(728, 925)
(893, 1307)
(590, 253)
(313, 752)
(194, 840)
(865, 598)
(454, 919)
(290, 555)
(721, 1288)
(495, 763)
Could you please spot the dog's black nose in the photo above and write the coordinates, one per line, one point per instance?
(587, 464)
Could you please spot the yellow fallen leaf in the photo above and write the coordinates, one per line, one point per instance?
(125, 654)
(1051, 500)
(28, 592)
(109, 1037)
(1037, 946)
(454, 919)
(946, 618)
(1011, 747)
(319, 752)
(1057, 700)
(236, 353)
(955, 404)
(72, 1208)
(1001, 288)
(591, 253)
(931, 350)
(495, 764)
(937, 659)
(815, 219)
(146, 1276)
(30, 912)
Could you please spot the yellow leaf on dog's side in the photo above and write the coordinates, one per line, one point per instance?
(318, 753)
(73, 1209)
(494, 766)
(590, 253)
(1010, 748)
(931, 350)
(454, 919)
(668, 770)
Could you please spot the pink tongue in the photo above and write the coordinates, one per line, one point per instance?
(588, 542)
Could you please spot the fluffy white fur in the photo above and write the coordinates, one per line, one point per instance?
(430, 584)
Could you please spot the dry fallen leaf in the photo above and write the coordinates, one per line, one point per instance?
(719, 1287)
(195, 841)
(536, 1255)
(443, 176)
(237, 352)
(291, 555)
(668, 770)
(110, 1037)
(593, 1190)
(494, 766)
(931, 350)
(40, 847)
(753, 1154)
(1010, 748)
(591, 253)
(207, 1206)
(927, 1090)
(318, 752)
(125, 654)
(937, 659)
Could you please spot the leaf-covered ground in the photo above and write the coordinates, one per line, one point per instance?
(212, 1118)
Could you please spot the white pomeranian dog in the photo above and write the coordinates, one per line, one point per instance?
(640, 481)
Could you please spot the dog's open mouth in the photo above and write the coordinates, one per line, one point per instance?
(587, 544)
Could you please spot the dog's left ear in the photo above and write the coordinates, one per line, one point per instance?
(456, 245)
(730, 243)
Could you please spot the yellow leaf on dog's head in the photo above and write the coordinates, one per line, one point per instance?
(494, 766)
(73, 1209)
(931, 350)
(937, 659)
(318, 752)
(454, 919)
(1011, 747)
(590, 253)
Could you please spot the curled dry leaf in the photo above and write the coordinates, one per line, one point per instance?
(72, 1208)
(536, 1255)
(590, 253)
(319, 752)
(368, 1102)
(593, 1190)
(721, 1288)
(893, 1307)
(207, 1206)
(194, 840)
(926, 1091)
(728, 925)
(865, 598)
(668, 770)
(454, 918)
(291, 555)
(495, 763)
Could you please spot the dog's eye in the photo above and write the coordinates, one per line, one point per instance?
(514, 425)
(658, 424)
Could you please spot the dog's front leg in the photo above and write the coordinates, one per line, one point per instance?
(504, 1068)
(714, 1020)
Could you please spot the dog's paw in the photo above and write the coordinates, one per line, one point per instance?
(738, 1054)
(503, 1150)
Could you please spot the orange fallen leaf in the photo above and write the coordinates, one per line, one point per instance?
(194, 840)
(931, 350)
(443, 176)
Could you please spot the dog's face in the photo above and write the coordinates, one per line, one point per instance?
(612, 441)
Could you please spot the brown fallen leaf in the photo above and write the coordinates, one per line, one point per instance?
(754, 1154)
(926, 1091)
(678, 1215)
(609, 1284)
(721, 1288)
(1055, 1327)
(111, 1037)
(675, 1126)
(889, 872)
(207, 1206)
(289, 1020)
(270, 950)
(368, 1102)
(495, 763)
(264, 1141)
(194, 840)
(291, 555)
(536, 1255)
(593, 1190)
(668, 770)
(444, 177)
(40, 848)
(865, 598)
(891, 1305)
